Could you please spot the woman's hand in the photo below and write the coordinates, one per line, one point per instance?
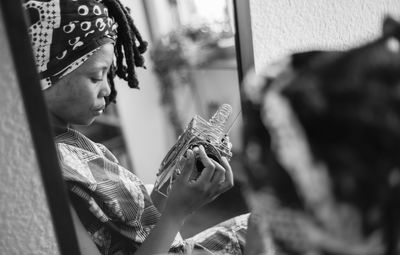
(187, 194)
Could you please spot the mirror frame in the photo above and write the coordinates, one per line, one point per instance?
(16, 21)
(243, 38)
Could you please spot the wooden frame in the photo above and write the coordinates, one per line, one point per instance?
(16, 26)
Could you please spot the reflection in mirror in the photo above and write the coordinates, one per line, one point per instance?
(194, 71)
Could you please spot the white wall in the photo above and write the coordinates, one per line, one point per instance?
(283, 26)
(25, 225)
(143, 121)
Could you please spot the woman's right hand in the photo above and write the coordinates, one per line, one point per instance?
(187, 195)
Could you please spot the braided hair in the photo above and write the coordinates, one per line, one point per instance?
(129, 48)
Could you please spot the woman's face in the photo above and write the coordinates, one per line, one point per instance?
(79, 97)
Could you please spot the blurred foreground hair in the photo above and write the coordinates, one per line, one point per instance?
(348, 105)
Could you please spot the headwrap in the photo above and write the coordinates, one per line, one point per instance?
(65, 33)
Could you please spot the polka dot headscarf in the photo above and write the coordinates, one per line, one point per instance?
(65, 33)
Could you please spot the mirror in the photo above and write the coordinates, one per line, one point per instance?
(140, 124)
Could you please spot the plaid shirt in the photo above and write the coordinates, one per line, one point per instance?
(116, 209)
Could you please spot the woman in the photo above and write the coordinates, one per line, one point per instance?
(74, 42)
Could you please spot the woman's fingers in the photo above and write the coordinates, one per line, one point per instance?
(223, 177)
(229, 181)
(215, 178)
(219, 173)
(209, 167)
(188, 165)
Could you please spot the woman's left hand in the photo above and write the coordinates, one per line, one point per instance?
(222, 178)
(188, 193)
(186, 196)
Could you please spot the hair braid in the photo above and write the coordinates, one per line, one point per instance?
(120, 68)
(139, 60)
(128, 54)
(142, 44)
(125, 37)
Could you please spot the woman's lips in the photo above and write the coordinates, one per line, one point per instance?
(98, 110)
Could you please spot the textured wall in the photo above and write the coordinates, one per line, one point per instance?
(25, 226)
(284, 26)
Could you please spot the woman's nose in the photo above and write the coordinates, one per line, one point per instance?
(105, 88)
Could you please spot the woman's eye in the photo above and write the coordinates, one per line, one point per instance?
(95, 80)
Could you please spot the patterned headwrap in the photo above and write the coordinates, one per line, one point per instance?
(65, 33)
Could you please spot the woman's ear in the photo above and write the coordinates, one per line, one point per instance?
(391, 26)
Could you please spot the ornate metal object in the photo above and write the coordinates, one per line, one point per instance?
(210, 134)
